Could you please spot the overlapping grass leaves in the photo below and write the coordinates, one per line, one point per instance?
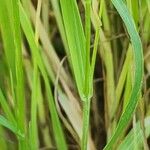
(11, 34)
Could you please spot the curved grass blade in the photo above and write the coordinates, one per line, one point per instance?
(138, 75)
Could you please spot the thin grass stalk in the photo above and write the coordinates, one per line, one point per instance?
(96, 40)
(34, 131)
(86, 117)
(86, 101)
(88, 37)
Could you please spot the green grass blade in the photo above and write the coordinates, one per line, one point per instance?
(13, 9)
(88, 39)
(6, 108)
(57, 129)
(10, 27)
(4, 122)
(138, 59)
(7, 37)
(33, 126)
(76, 40)
(19, 66)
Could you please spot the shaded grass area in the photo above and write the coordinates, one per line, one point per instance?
(74, 74)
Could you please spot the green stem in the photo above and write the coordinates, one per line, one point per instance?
(85, 129)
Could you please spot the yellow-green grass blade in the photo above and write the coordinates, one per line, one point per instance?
(35, 85)
(35, 50)
(138, 71)
(122, 79)
(128, 87)
(98, 23)
(135, 11)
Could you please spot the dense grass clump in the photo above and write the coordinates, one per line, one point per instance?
(74, 74)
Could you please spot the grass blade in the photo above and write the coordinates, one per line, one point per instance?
(7, 35)
(4, 122)
(128, 142)
(35, 50)
(19, 66)
(33, 127)
(138, 75)
(76, 40)
(11, 34)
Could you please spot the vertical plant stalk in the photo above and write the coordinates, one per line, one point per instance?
(88, 37)
(86, 101)
(34, 130)
(86, 118)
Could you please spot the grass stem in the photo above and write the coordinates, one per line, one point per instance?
(86, 118)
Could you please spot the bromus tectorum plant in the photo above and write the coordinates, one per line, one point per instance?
(74, 74)
(79, 50)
